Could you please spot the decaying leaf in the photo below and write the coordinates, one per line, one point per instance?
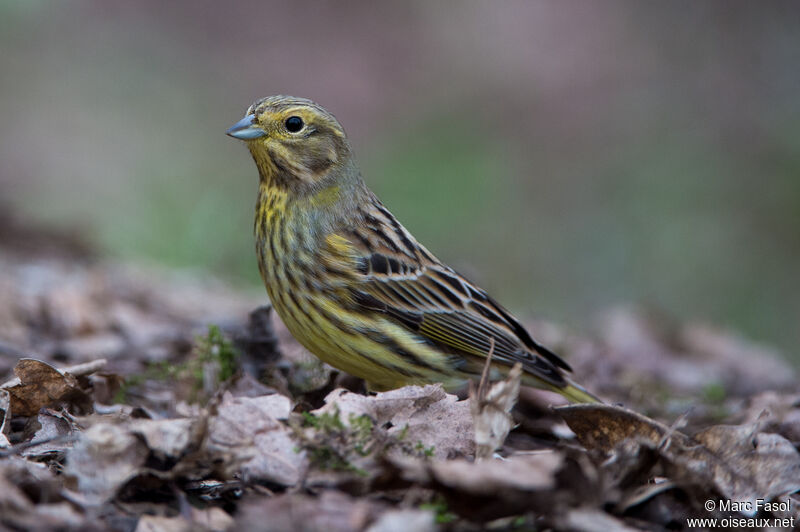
(41, 385)
(249, 431)
(210, 519)
(30, 498)
(739, 462)
(491, 411)
(168, 438)
(778, 413)
(104, 457)
(748, 464)
(54, 435)
(590, 520)
(525, 472)
(5, 417)
(423, 415)
(603, 427)
(332, 511)
(402, 520)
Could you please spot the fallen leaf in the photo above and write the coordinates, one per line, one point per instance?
(24, 486)
(41, 385)
(426, 415)
(750, 464)
(740, 462)
(491, 412)
(591, 520)
(168, 438)
(525, 472)
(104, 458)
(603, 427)
(249, 430)
(5, 427)
(53, 435)
(210, 519)
(776, 413)
(332, 511)
(403, 520)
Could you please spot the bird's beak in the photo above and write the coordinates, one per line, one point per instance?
(246, 129)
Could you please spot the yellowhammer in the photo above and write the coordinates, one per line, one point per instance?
(352, 285)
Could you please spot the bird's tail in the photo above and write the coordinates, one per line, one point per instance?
(576, 393)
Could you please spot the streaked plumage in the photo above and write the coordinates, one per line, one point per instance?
(352, 284)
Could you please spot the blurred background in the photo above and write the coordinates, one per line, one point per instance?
(566, 156)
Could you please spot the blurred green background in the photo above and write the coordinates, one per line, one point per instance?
(566, 155)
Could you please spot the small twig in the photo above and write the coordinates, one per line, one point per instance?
(484, 382)
(18, 448)
(78, 370)
(666, 439)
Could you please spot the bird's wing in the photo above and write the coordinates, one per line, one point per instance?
(405, 282)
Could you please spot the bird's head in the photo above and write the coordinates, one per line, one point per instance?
(294, 141)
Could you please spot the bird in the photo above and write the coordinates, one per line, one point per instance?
(353, 286)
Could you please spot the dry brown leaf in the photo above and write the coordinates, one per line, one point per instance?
(104, 458)
(776, 413)
(5, 406)
(24, 486)
(41, 385)
(332, 511)
(603, 427)
(53, 435)
(249, 430)
(524, 472)
(591, 520)
(491, 412)
(168, 437)
(740, 462)
(160, 523)
(210, 519)
(749, 464)
(404, 520)
(425, 415)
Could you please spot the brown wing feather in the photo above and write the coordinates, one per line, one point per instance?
(445, 309)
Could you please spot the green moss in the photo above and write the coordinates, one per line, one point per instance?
(217, 349)
(213, 348)
(426, 451)
(332, 443)
(441, 511)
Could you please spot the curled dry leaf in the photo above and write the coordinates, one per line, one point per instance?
(54, 434)
(525, 472)
(420, 414)
(776, 413)
(249, 430)
(591, 520)
(104, 457)
(30, 499)
(332, 511)
(748, 464)
(603, 427)
(5, 406)
(208, 519)
(41, 385)
(740, 462)
(491, 412)
(22, 483)
(168, 438)
(402, 520)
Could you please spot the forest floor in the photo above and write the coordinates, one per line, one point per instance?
(144, 399)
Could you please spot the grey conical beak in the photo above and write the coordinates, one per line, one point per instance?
(246, 129)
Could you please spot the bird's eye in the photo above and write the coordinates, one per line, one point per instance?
(294, 124)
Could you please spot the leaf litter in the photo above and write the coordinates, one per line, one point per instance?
(146, 400)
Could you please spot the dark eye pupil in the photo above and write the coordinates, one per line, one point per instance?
(294, 124)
